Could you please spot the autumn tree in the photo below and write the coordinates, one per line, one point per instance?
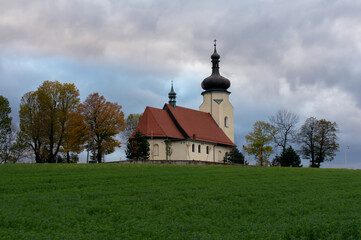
(99, 122)
(285, 123)
(74, 137)
(258, 140)
(43, 118)
(318, 140)
(131, 124)
(138, 147)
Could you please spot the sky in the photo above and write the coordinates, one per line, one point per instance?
(302, 55)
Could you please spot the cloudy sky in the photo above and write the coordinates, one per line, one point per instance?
(300, 55)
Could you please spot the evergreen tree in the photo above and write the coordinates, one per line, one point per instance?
(288, 158)
(235, 156)
(138, 147)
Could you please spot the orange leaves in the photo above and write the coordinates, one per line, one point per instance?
(44, 115)
(100, 122)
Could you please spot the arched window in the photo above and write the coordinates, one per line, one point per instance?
(226, 122)
(156, 150)
(192, 147)
(199, 148)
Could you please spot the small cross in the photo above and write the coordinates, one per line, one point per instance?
(215, 42)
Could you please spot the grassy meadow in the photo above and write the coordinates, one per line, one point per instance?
(131, 201)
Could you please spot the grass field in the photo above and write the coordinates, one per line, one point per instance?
(115, 201)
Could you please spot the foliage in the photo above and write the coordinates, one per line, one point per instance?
(43, 118)
(318, 140)
(168, 149)
(257, 142)
(11, 147)
(97, 123)
(235, 156)
(145, 201)
(285, 123)
(131, 124)
(288, 158)
(5, 129)
(138, 147)
(68, 158)
(5, 120)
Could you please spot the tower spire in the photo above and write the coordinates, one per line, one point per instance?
(172, 96)
(215, 81)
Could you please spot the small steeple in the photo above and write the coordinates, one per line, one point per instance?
(172, 97)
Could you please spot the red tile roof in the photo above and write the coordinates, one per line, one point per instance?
(158, 123)
(181, 123)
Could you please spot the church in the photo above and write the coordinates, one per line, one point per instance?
(179, 133)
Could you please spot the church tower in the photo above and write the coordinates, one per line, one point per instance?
(216, 97)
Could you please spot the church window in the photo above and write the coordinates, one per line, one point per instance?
(192, 147)
(226, 122)
(156, 150)
(199, 148)
(207, 150)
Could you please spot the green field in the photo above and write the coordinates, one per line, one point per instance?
(116, 201)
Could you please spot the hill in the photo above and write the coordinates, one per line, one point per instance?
(131, 201)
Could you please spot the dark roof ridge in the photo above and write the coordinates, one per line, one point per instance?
(176, 123)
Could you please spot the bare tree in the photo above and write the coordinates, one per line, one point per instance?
(131, 124)
(285, 123)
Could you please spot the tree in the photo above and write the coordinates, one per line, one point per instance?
(257, 142)
(99, 122)
(5, 129)
(11, 147)
(44, 115)
(288, 158)
(168, 149)
(31, 124)
(235, 156)
(285, 123)
(138, 147)
(318, 140)
(131, 124)
(74, 137)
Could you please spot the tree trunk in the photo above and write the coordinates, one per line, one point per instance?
(99, 154)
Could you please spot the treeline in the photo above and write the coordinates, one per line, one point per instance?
(315, 140)
(55, 126)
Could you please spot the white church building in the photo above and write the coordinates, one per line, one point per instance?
(204, 135)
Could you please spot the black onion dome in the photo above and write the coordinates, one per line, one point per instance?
(215, 55)
(215, 81)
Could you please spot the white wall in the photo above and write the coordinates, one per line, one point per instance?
(182, 150)
(219, 111)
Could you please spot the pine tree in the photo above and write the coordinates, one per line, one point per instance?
(138, 147)
(235, 156)
(288, 158)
